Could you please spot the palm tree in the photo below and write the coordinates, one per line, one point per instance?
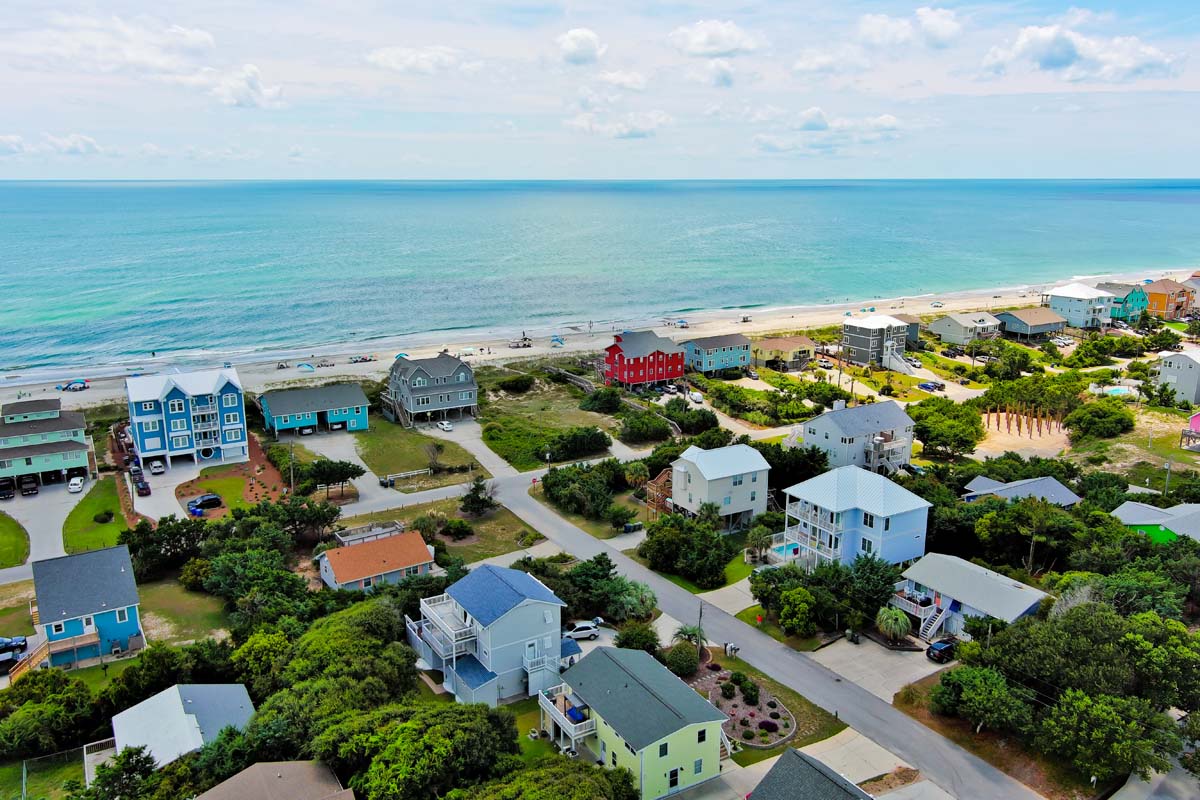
(758, 540)
(709, 514)
(893, 623)
(689, 633)
(636, 474)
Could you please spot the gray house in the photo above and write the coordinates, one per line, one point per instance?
(442, 387)
(877, 340)
(966, 327)
(798, 776)
(1181, 371)
(875, 436)
(1043, 488)
(494, 634)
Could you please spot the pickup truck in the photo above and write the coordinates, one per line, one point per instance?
(28, 484)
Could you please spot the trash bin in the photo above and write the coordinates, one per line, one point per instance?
(383, 482)
(391, 483)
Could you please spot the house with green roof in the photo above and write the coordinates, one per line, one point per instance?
(798, 776)
(631, 712)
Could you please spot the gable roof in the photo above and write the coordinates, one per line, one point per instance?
(1044, 488)
(972, 318)
(281, 780)
(31, 406)
(911, 319)
(722, 462)
(876, 321)
(865, 419)
(1078, 291)
(636, 695)
(980, 484)
(1033, 316)
(489, 592)
(799, 776)
(443, 365)
(850, 487)
(1120, 290)
(639, 344)
(155, 387)
(726, 340)
(785, 343)
(378, 556)
(1190, 355)
(182, 718)
(992, 593)
(84, 583)
(312, 399)
(1182, 519)
(1166, 285)
(65, 421)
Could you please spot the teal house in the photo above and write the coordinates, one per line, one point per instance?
(339, 406)
(1129, 300)
(87, 606)
(715, 353)
(39, 439)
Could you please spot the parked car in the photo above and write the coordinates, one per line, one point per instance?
(157, 468)
(143, 488)
(135, 472)
(931, 386)
(915, 469)
(937, 304)
(913, 362)
(696, 397)
(672, 388)
(204, 501)
(942, 650)
(445, 425)
(8, 488)
(75, 485)
(13, 644)
(825, 363)
(29, 485)
(307, 431)
(953, 352)
(752, 374)
(582, 630)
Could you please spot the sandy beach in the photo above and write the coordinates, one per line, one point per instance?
(107, 385)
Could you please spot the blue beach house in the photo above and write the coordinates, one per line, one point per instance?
(715, 353)
(339, 406)
(87, 606)
(200, 416)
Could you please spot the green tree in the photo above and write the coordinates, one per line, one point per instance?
(758, 541)
(556, 779)
(638, 636)
(260, 661)
(479, 499)
(1108, 736)
(605, 401)
(1013, 533)
(683, 660)
(709, 514)
(796, 612)
(329, 472)
(1099, 419)
(872, 582)
(983, 697)
(945, 427)
(636, 474)
(619, 515)
(893, 623)
(127, 776)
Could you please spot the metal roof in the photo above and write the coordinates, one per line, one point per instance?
(443, 365)
(1078, 291)
(182, 718)
(30, 406)
(204, 381)
(312, 399)
(1044, 488)
(850, 487)
(713, 342)
(489, 592)
(876, 321)
(722, 462)
(799, 776)
(1182, 519)
(41, 449)
(84, 583)
(472, 672)
(639, 344)
(981, 484)
(866, 419)
(637, 696)
(281, 780)
(970, 318)
(979, 587)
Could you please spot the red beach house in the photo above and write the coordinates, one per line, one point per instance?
(640, 357)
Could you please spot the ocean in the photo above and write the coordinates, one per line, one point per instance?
(104, 273)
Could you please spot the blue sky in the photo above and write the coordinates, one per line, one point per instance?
(599, 89)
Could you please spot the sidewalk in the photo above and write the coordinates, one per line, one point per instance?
(732, 598)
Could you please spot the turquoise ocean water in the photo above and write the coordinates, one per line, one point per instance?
(104, 273)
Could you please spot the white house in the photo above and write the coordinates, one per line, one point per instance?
(965, 327)
(734, 478)
(847, 511)
(1181, 371)
(1081, 306)
(942, 591)
(182, 719)
(875, 436)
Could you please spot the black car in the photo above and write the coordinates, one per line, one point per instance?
(143, 488)
(28, 484)
(942, 651)
(205, 501)
(8, 488)
(14, 644)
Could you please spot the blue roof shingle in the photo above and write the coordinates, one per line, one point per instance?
(488, 592)
(473, 673)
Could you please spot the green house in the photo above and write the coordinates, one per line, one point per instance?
(625, 709)
(1160, 525)
(39, 439)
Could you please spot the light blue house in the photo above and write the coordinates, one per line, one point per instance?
(715, 353)
(197, 415)
(849, 511)
(339, 406)
(87, 605)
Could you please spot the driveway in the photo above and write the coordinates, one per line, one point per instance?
(854, 756)
(42, 516)
(880, 671)
(342, 446)
(161, 501)
(468, 434)
(732, 598)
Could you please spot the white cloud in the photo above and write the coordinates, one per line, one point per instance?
(713, 38)
(428, 60)
(73, 144)
(88, 44)
(820, 135)
(580, 46)
(151, 151)
(720, 73)
(939, 26)
(767, 113)
(812, 119)
(847, 58)
(11, 145)
(231, 153)
(880, 30)
(635, 125)
(244, 89)
(1076, 57)
(634, 81)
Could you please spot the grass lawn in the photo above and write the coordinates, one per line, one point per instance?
(596, 527)
(905, 385)
(528, 718)
(750, 617)
(44, 781)
(97, 678)
(944, 368)
(495, 534)
(231, 488)
(1142, 452)
(735, 570)
(175, 615)
(813, 724)
(14, 613)
(14, 542)
(81, 532)
(387, 448)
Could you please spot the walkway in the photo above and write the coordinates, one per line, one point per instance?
(42, 516)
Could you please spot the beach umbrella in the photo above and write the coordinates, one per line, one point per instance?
(308, 367)
(401, 355)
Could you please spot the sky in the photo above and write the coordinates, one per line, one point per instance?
(598, 89)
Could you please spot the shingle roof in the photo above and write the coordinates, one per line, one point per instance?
(639, 344)
(30, 406)
(65, 421)
(971, 318)
(1118, 290)
(868, 418)
(85, 583)
(313, 399)
(1182, 519)
(798, 776)
(722, 462)
(911, 319)
(473, 673)
(875, 321)
(216, 706)
(713, 342)
(42, 448)
(443, 365)
(1034, 316)
(636, 695)
(990, 592)
(569, 647)
(378, 556)
(182, 719)
(489, 592)
(1078, 291)
(281, 780)
(1044, 488)
(1165, 285)
(850, 487)
(982, 484)
(204, 381)
(785, 343)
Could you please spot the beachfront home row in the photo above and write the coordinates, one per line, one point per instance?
(626, 710)
(338, 406)
(1030, 323)
(182, 719)
(877, 340)
(425, 389)
(783, 353)
(198, 415)
(371, 555)
(39, 439)
(716, 353)
(1081, 306)
(733, 478)
(1128, 302)
(874, 436)
(965, 327)
(1181, 372)
(640, 358)
(1168, 299)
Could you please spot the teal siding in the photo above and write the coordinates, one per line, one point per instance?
(110, 630)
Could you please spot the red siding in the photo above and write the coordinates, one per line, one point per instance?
(656, 367)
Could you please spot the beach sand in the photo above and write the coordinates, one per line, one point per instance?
(260, 375)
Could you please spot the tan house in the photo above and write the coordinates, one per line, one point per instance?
(792, 352)
(1169, 299)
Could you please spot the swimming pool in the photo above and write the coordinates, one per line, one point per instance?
(786, 550)
(1119, 391)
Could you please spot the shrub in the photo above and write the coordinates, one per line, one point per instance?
(750, 693)
(772, 704)
(575, 443)
(493, 428)
(644, 426)
(887, 390)
(768, 726)
(517, 384)
(103, 516)
(194, 573)
(747, 734)
(713, 666)
(683, 660)
(774, 715)
(728, 690)
(458, 529)
(744, 722)
(604, 401)
(737, 678)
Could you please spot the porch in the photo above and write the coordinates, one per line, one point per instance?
(567, 720)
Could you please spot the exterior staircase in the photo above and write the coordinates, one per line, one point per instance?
(33, 613)
(931, 626)
(31, 661)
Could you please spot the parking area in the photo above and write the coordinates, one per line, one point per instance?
(161, 501)
(42, 516)
(880, 671)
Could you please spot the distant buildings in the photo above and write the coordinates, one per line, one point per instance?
(1129, 300)
(966, 327)
(1169, 299)
(1043, 488)
(1181, 372)
(716, 353)
(1030, 323)
(421, 389)
(182, 719)
(875, 436)
(877, 340)
(199, 415)
(39, 439)
(339, 406)
(783, 352)
(374, 556)
(1081, 306)
(637, 358)
(734, 478)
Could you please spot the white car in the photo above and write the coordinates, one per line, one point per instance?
(696, 397)
(582, 630)
(157, 468)
(75, 485)
(937, 304)
(825, 363)
(444, 425)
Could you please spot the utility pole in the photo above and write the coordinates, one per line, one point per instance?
(1167, 487)
(700, 631)
(292, 468)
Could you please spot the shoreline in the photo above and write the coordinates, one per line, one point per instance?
(258, 367)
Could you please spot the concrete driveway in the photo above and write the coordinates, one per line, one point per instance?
(880, 671)
(161, 501)
(468, 434)
(732, 598)
(42, 516)
(342, 446)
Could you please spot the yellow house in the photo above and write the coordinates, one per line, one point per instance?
(1169, 299)
(792, 352)
(632, 713)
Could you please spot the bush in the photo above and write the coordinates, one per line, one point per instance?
(713, 666)
(638, 636)
(603, 401)
(194, 573)
(774, 715)
(744, 722)
(737, 678)
(750, 693)
(887, 390)
(768, 726)
(517, 384)
(683, 660)
(103, 516)
(576, 443)
(728, 690)
(772, 704)
(747, 734)
(458, 529)
(644, 426)
(1102, 419)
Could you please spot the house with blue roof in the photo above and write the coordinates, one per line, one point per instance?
(494, 634)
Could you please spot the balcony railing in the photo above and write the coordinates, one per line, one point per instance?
(443, 612)
(200, 426)
(73, 642)
(539, 662)
(813, 517)
(919, 611)
(795, 536)
(555, 702)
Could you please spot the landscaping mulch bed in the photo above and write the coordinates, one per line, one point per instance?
(708, 682)
(908, 644)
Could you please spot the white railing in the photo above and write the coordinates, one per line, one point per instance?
(919, 611)
(798, 537)
(539, 662)
(442, 612)
(547, 701)
(813, 517)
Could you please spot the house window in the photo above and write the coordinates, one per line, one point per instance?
(754, 478)
(662, 750)
(179, 441)
(233, 436)
(422, 401)
(613, 758)
(629, 747)
(150, 427)
(726, 501)
(868, 520)
(753, 496)
(231, 419)
(419, 382)
(464, 395)
(412, 571)
(867, 545)
(57, 628)
(285, 419)
(179, 424)
(366, 583)
(737, 480)
(461, 377)
(701, 736)
(147, 406)
(122, 615)
(358, 409)
(887, 524)
(175, 406)
(229, 400)
(698, 767)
